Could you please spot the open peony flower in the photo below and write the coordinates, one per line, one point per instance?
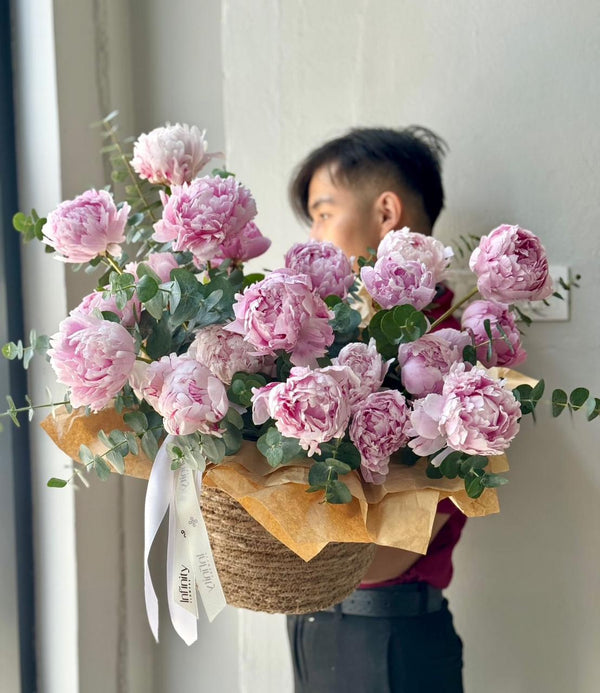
(247, 244)
(186, 394)
(87, 226)
(93, 358)
(511, 265)
(394, 281)
(170, 155)
(128, 316)
(225, 353)
(327, 266)
(378, 429)
(425, 362)
(309, 406)
(503, 327)
(367, 363)
(203, 214)
(282, 312)
(474, 414)
(418, 247)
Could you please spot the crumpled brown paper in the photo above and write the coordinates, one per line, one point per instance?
(398, 513)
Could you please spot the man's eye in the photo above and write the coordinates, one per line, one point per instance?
(324, 215)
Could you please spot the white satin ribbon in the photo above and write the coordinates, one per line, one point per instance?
(190, 563)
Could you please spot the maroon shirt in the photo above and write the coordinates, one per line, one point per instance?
(435, 567)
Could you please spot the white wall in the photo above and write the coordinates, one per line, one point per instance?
(512, 88)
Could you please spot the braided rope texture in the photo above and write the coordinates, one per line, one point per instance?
(260, 573)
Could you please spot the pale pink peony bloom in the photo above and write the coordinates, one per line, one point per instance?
(93, 358)
(186, 394)
(200, 216)
(88, 226)
(378, 429)
(396, 282)
(366, 362)
(348, 381)
(500, 318)
(308, 406)
(247, 244)
(474, 414)
(160, 263)
(137, 378)
(425, 362)
(282, 312)
(94, 301)
(327, 266)
(171, 155)
(511, 265)
(225, 353)
(418, 247)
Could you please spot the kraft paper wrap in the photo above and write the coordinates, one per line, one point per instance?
(398, 513)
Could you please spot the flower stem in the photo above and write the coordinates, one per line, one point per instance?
(113, 264)
(451, 310)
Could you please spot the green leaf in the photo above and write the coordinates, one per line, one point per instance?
(579, 397)
(146, 288)
(338, 466)
(149, 445)
(213, 448)
(10, 351)
(278, 449)
(137, 421)
(158, 343)
(319, 474)
(54, 482)
(101, 468)
(250, 279)
(186, 296)
(469, 354)
(493, 480)
(346, 320)
(451, 464)
(337, 493)
(348, 453)
(19, 221)
(559, 402)
(110, 316)
(593, 408)
(473, 486)
(488, 330)
(117, 461)
(433, 472)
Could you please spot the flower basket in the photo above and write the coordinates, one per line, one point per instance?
(260, 573)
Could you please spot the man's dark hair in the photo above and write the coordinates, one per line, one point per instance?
(409, 159)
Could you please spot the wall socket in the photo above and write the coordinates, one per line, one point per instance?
(556, 310)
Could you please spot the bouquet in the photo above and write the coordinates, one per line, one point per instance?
(348, 384)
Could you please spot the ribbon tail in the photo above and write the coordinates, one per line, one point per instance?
(184, 622)
(158, 497)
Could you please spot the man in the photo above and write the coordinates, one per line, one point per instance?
(395, 633)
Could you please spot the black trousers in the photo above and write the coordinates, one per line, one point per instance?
(338, 653)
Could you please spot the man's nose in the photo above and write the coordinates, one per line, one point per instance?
(314, 232)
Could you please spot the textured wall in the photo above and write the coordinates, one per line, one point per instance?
(513, 88)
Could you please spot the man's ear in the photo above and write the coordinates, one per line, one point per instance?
(388, 208)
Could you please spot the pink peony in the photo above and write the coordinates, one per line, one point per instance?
(474, 414)
(94, 301)
(160, 263)
(186, 394)
(88, 226)
(425, 362)
(365, 361)
(501, 320)
(170, 155)
(396, 282)
(511, 265)
(201, 215)
(282, 312)
(247, 244)
(225, 353)
(93, 358)
(378, 429)
(327, 266)
(308, 406)
(418, 247)
(348, 381)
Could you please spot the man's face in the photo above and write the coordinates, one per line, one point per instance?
(341, 215)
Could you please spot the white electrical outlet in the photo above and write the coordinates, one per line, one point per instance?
(557, 310)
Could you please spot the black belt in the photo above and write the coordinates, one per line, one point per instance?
(410, 599)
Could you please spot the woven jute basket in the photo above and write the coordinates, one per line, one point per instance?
(260, 573)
